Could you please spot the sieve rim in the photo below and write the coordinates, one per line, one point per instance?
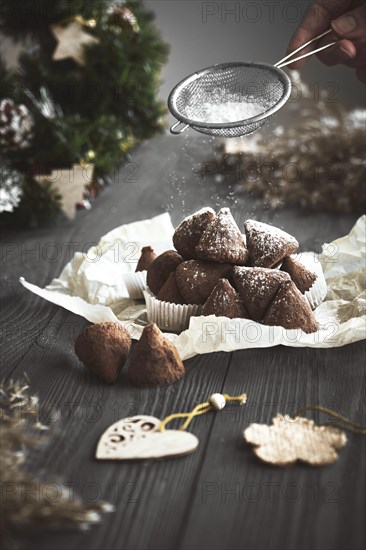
(283, 77)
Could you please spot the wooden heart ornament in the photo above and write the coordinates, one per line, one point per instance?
(137, 437)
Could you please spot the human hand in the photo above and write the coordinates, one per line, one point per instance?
(347, 18)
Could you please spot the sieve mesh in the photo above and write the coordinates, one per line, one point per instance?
(265, 84)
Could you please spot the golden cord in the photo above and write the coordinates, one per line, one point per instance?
(202, 408)
(348, 425)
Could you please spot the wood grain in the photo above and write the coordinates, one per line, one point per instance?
(221, 496)
(298, 507)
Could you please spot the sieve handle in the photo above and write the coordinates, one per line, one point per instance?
(177, 132)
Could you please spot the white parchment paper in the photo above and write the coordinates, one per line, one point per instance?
(91, 286)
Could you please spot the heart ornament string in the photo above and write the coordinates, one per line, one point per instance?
(144, 437)
(287, 440)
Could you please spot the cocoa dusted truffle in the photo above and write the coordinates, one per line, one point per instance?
(196, 279)
(268, 245)
(148, 255)
(224, 301)
(160, 269)
(170, 292)
(189, 231)
(302, 277)
(103, 348)
(257, 286)
(222, 241)
(289, 309)
(154, 360)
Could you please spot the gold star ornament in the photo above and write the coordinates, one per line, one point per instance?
(288, 440)
(71, 41)
(69, 185)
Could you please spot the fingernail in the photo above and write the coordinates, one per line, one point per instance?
(344, 50)
(344, 25)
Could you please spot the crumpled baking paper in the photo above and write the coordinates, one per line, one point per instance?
(91, 286)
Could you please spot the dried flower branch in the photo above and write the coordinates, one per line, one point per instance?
(316, 163)
(21, 433)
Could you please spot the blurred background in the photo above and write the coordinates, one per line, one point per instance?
(84, 82)
(203, 33)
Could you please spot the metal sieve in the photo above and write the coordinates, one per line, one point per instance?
(266, 85)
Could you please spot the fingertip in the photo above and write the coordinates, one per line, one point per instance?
(342, 52)
(348, 48)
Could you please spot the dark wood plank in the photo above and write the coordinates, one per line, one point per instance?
(185, 502)
(150, 497)
(258, 506)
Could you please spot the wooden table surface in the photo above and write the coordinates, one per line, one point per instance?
(221, 496)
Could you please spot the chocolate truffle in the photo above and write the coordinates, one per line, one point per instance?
(289, 309)
(160, 269)
(148, 255)
(103, 348)
(257, 286)
(154, 360)
(222, 241)
(224, 301)
(170, 292)
(302, 277)
(189, 231)
(196, 279)
(267, 245)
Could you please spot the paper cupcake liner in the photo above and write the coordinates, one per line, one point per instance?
(173, 317)
(316, 294)
(135, 283)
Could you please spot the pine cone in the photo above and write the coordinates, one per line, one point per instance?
(11, 185)
(16, 124)
(122, 18)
